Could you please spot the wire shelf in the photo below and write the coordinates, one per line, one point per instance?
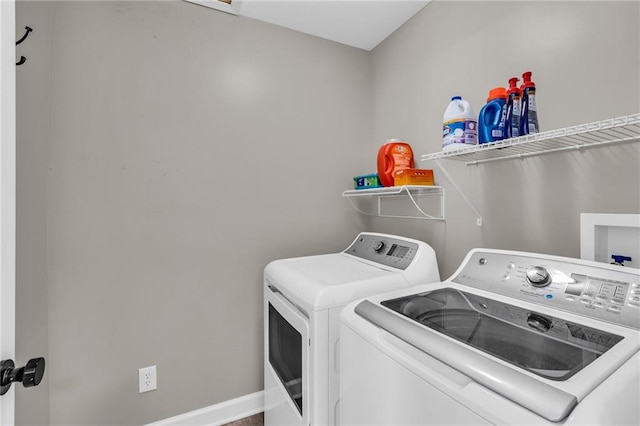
(605, 132)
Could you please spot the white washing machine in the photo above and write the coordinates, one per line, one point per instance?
(303, 298)
(511, 338)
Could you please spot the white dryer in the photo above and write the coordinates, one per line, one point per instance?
(511, 338)
(303, 298)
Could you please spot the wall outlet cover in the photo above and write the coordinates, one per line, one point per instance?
(147, 380)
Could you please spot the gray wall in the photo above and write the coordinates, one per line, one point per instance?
(173, 151)
(585, 61)
(33, 103)
(187, 148)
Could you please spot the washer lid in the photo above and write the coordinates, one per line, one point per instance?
(542, 344)
(500, 343)
(330, 280)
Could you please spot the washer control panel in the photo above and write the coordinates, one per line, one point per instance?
(606, 292)
(387, 250)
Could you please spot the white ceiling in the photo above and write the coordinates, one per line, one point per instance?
(358, 23)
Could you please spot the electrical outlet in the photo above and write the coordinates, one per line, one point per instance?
(147, 380)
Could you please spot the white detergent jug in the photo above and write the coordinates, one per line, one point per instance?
(460, 129)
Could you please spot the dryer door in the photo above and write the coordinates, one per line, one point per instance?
(286, 361)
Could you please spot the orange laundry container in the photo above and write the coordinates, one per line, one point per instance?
(413, 177)
(392, 156)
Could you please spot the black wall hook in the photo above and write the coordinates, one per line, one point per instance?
(24, 37)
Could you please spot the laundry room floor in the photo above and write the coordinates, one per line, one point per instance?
(255, 420)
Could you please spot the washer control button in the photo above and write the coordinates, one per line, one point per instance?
(586, 302)
(614, 309)
(378, 247)
(538, 276)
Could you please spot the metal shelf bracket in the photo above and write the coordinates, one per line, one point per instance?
(464, 197)
(412, 192)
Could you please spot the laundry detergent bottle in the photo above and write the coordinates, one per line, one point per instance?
(512, 119)
(394, 155)
(491, 121)
(460, 128)
(529, 114)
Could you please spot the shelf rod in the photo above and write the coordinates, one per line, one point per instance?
(353, 204)
(464, 197)
(425, 214)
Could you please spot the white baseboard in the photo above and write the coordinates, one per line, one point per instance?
(219, 414)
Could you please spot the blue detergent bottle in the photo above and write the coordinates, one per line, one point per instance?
(491, 122)
(512, 123)
(529, 113)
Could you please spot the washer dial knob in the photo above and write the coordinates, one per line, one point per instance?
(538, 277)
(379, 246)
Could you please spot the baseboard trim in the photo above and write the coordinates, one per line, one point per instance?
(219, 414)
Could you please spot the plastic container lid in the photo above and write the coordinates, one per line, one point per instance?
(497, 92)
(456, 98)
(513, 85)
(526, 80)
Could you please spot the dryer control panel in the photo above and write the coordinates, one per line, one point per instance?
(384, 249)
(597, 290)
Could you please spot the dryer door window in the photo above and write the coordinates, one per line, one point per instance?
(285, 355)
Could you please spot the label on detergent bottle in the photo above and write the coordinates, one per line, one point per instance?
(459, 131)
(499, 132)
(401, 157)
(532, 119)
(515, 118)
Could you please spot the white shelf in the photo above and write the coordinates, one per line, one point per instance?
(605, 132)
(372, 201)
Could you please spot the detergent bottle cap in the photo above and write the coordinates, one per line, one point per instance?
(456, 98)
(526, 80)
(513, 85)
(497, 92)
